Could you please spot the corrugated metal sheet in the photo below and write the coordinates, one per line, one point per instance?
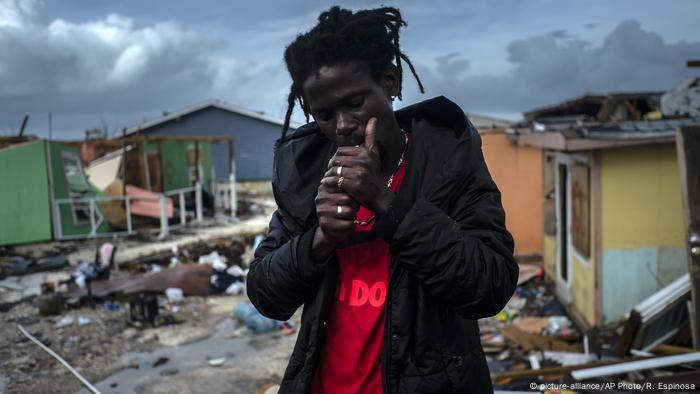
(637, 129)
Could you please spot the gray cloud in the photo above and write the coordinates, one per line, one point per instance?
(114, 70)
(556, 66)
(111, 69)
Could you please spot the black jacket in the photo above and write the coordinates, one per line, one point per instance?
(452, 256)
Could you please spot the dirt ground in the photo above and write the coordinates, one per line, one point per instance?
(119, 358)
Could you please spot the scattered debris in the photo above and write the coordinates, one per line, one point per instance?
(24, 266)
(160, 361)
(169, 372)
(559, 326)
(65, 321)
(174, 295)
(532, 324)
(529, 342)
(50, 304)
(217, 362)
(568, 358)
(143, 309)
(528, 271)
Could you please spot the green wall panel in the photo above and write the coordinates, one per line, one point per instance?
(176, 165)
(208, 165)
(25, 214)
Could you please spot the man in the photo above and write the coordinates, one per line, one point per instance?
(389, 231)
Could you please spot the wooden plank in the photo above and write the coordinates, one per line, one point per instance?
(670, 350)
(506, 377)
(530, 342)
(688, 148)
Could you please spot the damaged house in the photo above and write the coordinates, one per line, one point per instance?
(254, 134)
(612, 206)
(45, 193)
(149, 183)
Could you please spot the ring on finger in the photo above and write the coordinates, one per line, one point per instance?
(340, 211)
(339, 170)
(340, 182)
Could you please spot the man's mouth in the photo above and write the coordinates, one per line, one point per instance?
(356, 142)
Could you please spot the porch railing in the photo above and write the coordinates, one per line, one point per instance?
(96, 219)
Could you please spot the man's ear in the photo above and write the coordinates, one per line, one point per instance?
(391, 81)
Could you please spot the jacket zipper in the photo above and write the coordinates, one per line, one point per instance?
(387, 331)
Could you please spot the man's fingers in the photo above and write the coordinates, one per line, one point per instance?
(347, 151)
(371, 134)
(347, 185)
(333, 196)
(348, 168)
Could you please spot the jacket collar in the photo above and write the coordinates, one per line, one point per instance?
(300, 158)
(438, 111)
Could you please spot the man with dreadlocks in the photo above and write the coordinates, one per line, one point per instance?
(389, 230)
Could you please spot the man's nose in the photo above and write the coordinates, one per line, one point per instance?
(345, 124)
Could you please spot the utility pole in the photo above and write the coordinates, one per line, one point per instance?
(124, 162)
(24, 124)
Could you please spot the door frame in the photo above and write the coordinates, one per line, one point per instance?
(563, 285)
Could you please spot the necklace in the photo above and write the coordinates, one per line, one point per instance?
(391, 179)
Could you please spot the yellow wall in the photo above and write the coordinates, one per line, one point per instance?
(550, 256)
(583, 288)
(641, 201)
(643, 233)
(518, 174)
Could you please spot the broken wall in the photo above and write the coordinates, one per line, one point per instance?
(69, 180)
(177, 165)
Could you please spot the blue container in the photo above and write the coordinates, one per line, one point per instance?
(242, 310)
(246, 313)
(259, 324)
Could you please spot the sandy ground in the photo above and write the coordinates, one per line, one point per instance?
(118, 358)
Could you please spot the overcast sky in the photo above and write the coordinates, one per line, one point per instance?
(116, 63)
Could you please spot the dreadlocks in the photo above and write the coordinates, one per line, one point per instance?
(368, 36)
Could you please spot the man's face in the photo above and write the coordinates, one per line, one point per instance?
(342, 99)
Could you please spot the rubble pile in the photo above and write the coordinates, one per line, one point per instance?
(533, 343)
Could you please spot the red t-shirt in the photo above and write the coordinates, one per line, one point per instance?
(352, 350)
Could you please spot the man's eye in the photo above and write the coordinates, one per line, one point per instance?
(356, 102)
(323, 117)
